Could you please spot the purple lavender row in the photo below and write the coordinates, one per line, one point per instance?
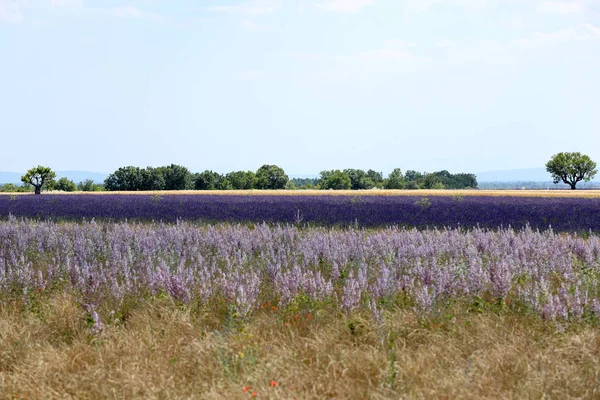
(553, 275)
(562, 214)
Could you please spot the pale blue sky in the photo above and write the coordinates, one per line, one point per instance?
(462, 85)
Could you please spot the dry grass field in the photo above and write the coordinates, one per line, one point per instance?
(372, 192)
(155, 347)
(164, 351)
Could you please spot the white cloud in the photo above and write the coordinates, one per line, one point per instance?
(562, 6)
(446, 43)
(385, 59)
(517, 22)
(127, 12)
(135, 13)
(10, 11)
(387, 55)
(66, 3)
(247, 75)
(424, 5)
(395, 42)
(471, 3)
(345, 6)
(581, 32)
(392, 50)
(251, 8)
(315, 56)
(252, 26)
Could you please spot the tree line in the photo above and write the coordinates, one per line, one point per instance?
(569, 168)
(177, 177)
(267, 177)
(357, 179)
(63, 184)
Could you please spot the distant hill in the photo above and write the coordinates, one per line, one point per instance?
(303, 176)
(75, 176)
(10, 177)
(532, 178)
(79, 176)
(515, 175)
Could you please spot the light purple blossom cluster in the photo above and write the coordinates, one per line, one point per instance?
(553, 275)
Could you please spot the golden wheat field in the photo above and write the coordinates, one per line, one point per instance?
(167, 352)
(372, 192)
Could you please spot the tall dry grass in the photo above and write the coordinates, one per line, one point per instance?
(164, 351)
(370, 192)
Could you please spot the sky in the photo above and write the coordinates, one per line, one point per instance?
(309, 85)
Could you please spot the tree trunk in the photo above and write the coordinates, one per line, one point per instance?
(38, 190)
(572, 186)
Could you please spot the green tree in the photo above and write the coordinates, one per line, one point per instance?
(38, 177)
(375, 177)
(432, 181)
(305, 183)
(176, 177)
(224, 184)
(413, 176)
(207, 180)
(359, 179)
(335, 180)
(412, 185)
(414, 179)
(65, 185)
(291, 185)
(151, 179)
(571, 168)
(395, 180)
(89, 186)
(443, 176)
(242, 180)
(462, 181)
(12, 188)
(124, 179)
(271, 177)
(49, 186)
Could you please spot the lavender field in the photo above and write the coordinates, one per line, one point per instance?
(98, 309)
(108, 265)
(453, 211)
(282, 296)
